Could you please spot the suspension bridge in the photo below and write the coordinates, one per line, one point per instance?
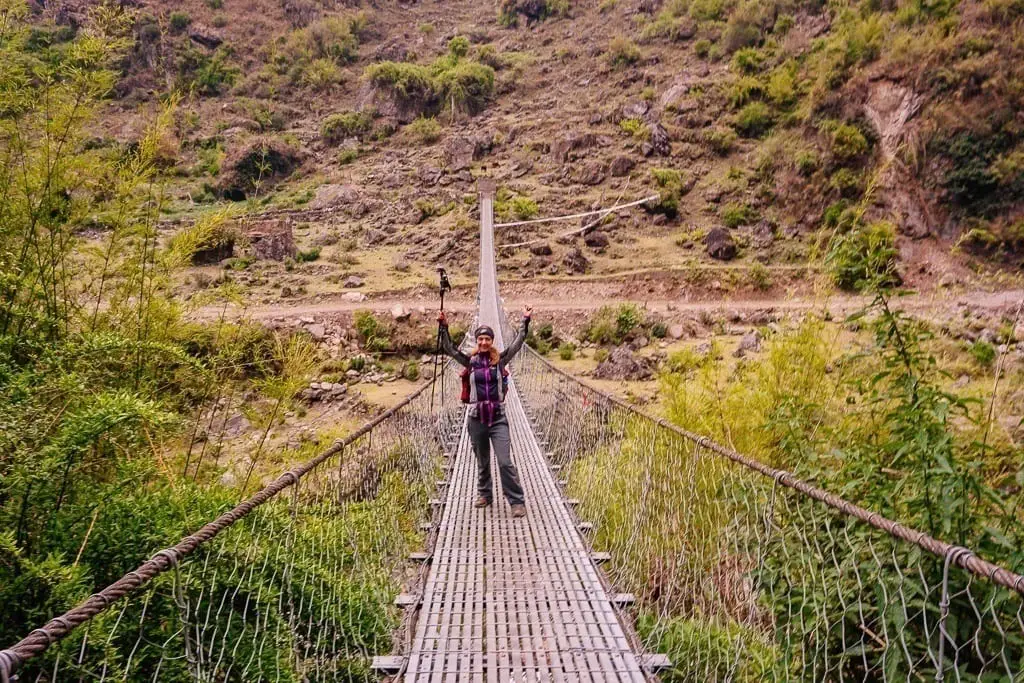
(647, 553)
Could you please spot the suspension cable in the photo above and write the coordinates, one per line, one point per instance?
(576, 215)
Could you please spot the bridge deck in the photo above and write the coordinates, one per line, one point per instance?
(514, 599)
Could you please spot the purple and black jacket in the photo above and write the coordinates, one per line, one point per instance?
(488, 383)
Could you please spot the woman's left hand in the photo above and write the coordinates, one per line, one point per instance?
(527, 311)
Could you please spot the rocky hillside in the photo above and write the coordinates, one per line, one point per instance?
(881, 139)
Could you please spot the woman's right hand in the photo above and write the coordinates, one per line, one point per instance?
(442, 317)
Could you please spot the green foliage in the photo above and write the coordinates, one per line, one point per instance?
(848, 143)
(747, 61)
(452, 82)
(411, 371)
(735, 215)
(510, 10)
(424, 129)
(179, 21)
(338, 127)
(702, 48)
(744, 90)
(308, 256)
(846, 182)
(673, 186)
(721, 140)
(984, 354)
(612, 325)
(622, 52)
(754, 120)
(807, 163)
(659, 330)
(508, 206)
(373, 334)
(864, 258)
(566, 351)
(636, 128)
(760, 277)
(715, 645)
(207, 74)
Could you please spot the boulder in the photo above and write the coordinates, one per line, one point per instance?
(762, 235)
(400, 312)
(209, 255)
(596, 240)
(460, 153)
(658, 144)
(575, 261)
(353, 281)
(429, 175)
(720, 244)
(541, 249)
(334, 195)
(205, 36)
(676, 331)
(271, 239)
(591, 173)
(563, 148)
(353, 297)
(1018, 333)
(316, 331)
(622, 364)
(621, 166)
(749, 343)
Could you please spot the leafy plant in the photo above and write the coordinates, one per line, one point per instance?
(864, 258)
(424, 129)
(338, 127)
(622, 52)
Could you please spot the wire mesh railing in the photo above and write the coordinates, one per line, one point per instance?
(742, 572)
(295, 584)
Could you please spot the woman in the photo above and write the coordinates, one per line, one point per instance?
(485, 381)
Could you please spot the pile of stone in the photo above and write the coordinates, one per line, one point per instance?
(324, 391)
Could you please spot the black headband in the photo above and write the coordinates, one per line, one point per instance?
(484, 331)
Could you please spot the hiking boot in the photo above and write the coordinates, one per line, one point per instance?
(519, 510)
(482, 502)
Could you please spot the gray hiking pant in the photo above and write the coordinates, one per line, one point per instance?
(482, 437)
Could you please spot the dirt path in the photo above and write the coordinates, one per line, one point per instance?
(837, 304)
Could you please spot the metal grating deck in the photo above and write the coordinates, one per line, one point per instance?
(514, 599)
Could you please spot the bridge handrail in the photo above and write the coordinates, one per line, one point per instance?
(39, 640)
(955, 555)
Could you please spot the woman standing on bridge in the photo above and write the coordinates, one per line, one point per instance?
(485, 381)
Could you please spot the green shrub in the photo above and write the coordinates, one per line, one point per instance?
(179, 21)
(744, 90)
(466, 86)
(601, 355)
(760, 277)
(735, 215)
(566, 351)
(523, 208)
(207, 74)
(659, 330)
(702, 48)
(714, 644)
(636, 128)
(424, 129)
(215, 4)
(347, 155)
(410, 81)
(673, 187)
(720, 140)
(411, 371)
(754, 120)
(322, 73)
(864, 258)
(372, 332)
(747, 61)
(848, 143)
(350, 124)
(983, 353)
(846, 182)
(622, 52)
(781, 88)
(806, 163)
(307, 256)
(611, 325)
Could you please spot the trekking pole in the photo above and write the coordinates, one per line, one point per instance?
(444, 286)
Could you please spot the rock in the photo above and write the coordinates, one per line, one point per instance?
(317, 331)
(520, 167)
(704, 349)
(229, 479)
(987, 336)
(205, 36)
(209, 255)
(623, 365)
(460, 153)
(429, 175)
(596, 240)
(394, 50)
(400, 264)
(658, 144)
(635, 110)
(353, 281)
(271, 239)
(762, 236)
(563, 148)
(1018, 333)
(575, 261)
(749, 343)
(353, 297)
(591, 173)
(542, 249)
(720, 244)
(676, 331)
(639, 343)
(236, 424)
(962, 381)
(400, 312)
(352, 374)
(621, 166)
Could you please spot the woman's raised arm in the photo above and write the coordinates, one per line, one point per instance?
(447, 345)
